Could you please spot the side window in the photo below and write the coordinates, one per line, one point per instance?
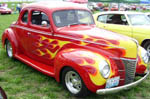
(25, 17)
(39, 18)
(109, 19)
(117, 19)
(102, 18)
(124, 20)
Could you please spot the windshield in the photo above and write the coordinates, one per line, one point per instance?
(72, 17)
(139, 19)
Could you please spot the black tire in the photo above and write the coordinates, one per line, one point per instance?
(83, 89)
(9, 49)
(147, 46)
(2, 94)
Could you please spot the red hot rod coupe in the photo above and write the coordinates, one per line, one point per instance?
(62, 41)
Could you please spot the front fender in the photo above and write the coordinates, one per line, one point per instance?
(86, 63)
(9, 35)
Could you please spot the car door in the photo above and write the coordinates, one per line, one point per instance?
(40, 37)
(101, 21)
(116, 23)
(21, 31)
(140, 24)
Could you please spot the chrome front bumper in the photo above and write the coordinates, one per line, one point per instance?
(124, 87)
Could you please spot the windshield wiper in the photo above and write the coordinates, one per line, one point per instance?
(84, 23)
(77, 24)
(72, 24)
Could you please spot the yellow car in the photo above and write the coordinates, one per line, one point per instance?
(132, 24)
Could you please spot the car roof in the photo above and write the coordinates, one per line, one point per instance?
(121, 12)
(55, 5)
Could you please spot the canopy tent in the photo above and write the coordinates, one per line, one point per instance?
(123, 1)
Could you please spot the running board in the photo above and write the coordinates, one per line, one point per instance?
(48, 70)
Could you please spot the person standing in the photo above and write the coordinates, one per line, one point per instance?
(18, 7)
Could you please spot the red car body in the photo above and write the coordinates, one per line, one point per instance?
(4, 10)
(79, 46)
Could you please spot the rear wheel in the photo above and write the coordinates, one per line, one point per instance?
(9, 49)
(74, 83)
(147, 46)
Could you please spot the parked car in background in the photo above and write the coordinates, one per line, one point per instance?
(147, 7)
(148, 14)
(63, 42)
(93, 6)
(112, 9)
(4, 10)
(133, 7)
(132, 24)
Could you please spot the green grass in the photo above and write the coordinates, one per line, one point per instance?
(22, 82)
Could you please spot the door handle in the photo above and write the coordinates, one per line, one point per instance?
(28, 33)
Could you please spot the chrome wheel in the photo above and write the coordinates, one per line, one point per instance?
(148, 49)
(9, 49)
(73, 82)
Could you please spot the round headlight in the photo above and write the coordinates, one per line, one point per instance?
(104, 69)
(145, 56)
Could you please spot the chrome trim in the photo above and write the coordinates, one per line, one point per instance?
(32, 30)
(87, 41)
(130, 69)
(48, 33)
(121, 70)
(129, 59)
(120, 88)
(124, 59)
(137, 43)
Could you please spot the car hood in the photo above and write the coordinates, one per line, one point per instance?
(109, 40)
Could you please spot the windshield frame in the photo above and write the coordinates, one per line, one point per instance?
(91, 16)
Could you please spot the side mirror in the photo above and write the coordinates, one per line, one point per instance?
(44, 24)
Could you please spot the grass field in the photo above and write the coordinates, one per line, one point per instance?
(22, 82)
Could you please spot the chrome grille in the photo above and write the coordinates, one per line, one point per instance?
(130, 68)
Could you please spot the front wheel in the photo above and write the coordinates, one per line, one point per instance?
(74, 83)
(9, 49)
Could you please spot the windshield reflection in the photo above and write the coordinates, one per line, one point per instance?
(72, 17)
